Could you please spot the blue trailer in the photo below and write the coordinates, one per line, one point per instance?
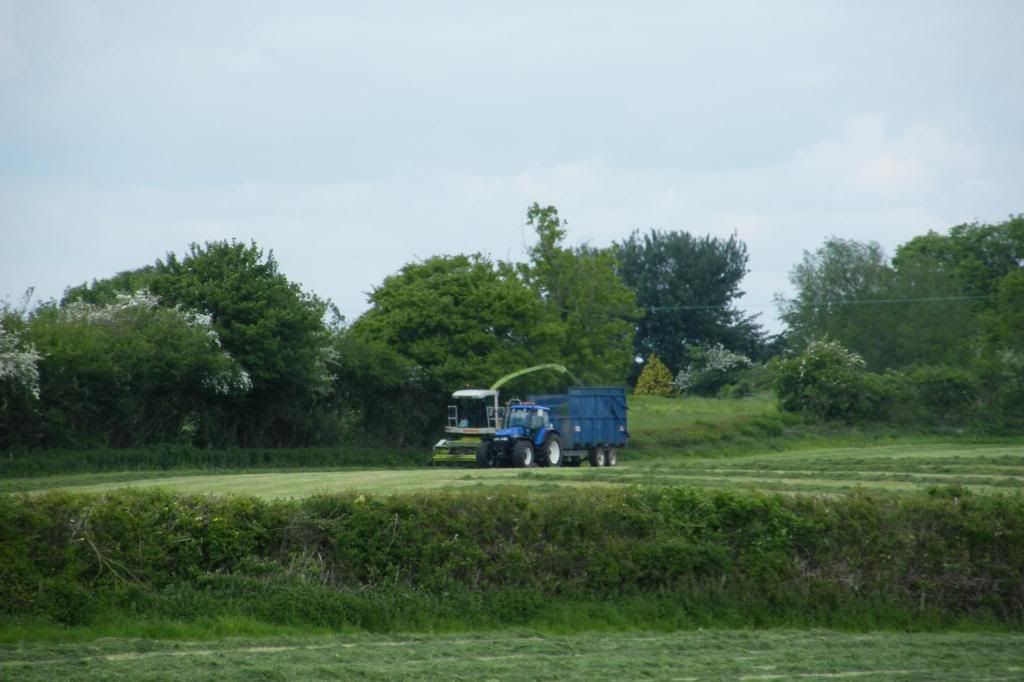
(561, 430)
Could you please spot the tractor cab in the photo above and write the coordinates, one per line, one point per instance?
(525, 419)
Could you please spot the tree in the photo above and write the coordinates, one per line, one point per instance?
(655, 379)
(461, 320)
(918, 309)
(687, 287)
(835, 286)
(129, 373)
(267, 323)
(593, 310)
(978, 255)
(381, 396)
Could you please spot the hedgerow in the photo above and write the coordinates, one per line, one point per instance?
(381, 563)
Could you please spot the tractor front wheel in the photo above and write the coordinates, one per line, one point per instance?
(522, 454)
(551, 455)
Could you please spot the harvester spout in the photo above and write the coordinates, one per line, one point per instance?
(536, 368)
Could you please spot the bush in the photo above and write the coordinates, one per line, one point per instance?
(655, 379)
(711, 368)
(944, 392)
(828, 382)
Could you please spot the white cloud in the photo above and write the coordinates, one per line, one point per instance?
(340, 239)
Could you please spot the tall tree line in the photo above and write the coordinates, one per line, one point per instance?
(217, 347)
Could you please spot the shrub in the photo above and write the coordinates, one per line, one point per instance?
(655, 379)
(710, 369)
(829, 382)
(947, 391)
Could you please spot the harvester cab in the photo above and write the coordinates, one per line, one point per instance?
(473, 417)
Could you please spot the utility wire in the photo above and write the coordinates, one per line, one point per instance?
(817, 304)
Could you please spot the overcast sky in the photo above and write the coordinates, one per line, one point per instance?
(352, 138)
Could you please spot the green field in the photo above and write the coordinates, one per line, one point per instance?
(898, 467)
(703, 443)
(699, 655)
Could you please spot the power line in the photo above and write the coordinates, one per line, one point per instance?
(818, 304)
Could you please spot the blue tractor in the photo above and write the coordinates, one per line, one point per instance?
(527, 438)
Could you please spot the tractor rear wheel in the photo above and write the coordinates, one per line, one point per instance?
(551, 454)
(484, 460)
(522, 454)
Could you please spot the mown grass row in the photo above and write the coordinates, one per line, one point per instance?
(674, 430)
(531, 655)
(185, 457)
(639, 558)
(912, 464)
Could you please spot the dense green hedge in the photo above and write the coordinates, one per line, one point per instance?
(673, 556)
(163, 457)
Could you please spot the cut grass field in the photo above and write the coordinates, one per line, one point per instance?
(697, 655)
(899, 467)
(722, 444)
(700, 442)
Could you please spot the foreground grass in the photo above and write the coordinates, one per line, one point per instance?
(745, 655)
(898, 467)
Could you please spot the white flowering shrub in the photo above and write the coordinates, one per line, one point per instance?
(710, 369)
(223, 377)
(19, 365)
(828, 381)
(129, 372)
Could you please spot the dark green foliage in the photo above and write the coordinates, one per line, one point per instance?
(712, 369)
(124, 374)
(941, 394)
(848, 291)
(687, 287)
(828, 382)
(380, 395)
(501, 558)
(937, 302)
(591, 309)
(459, 320)
(978, 255)
(273, 329)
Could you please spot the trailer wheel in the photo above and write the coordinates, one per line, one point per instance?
(522, 454)
(611, 458)
(484, 460)
(597, 458)
(551, 455)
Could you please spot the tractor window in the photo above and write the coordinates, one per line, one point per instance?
(538, 420)
(517, 418)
